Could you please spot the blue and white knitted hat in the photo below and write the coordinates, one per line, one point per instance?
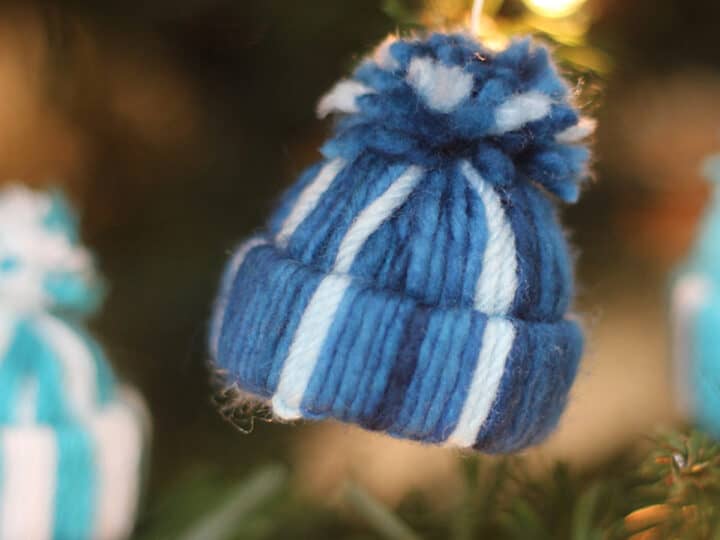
(70, 440)
(416, 280)
(696, 319)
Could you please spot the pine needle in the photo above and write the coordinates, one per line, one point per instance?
(223, 523)
(377, 515)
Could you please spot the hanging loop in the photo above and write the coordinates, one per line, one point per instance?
(476, 16)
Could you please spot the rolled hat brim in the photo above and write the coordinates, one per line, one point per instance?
(315, 345)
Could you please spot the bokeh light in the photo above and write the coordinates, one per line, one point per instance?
(554, 8)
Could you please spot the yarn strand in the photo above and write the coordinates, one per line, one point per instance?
(476, 16)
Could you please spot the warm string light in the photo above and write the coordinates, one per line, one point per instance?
(554, 8)
(552, 17)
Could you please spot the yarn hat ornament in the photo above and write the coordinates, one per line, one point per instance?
(696, 318)
(71, 439)
(416, 280)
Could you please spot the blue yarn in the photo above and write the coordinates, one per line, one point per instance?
(416, 281)
(450, 352)
(285, 204)
(524, 387)
(337, 209)
(388, 405)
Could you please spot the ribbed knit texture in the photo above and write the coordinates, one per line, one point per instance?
(70, 439)
(416, 280)
(696, 318)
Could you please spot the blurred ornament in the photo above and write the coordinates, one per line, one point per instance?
(416, 281)
(682, 472)
(70, 439)
(661, 194)
(696, 318)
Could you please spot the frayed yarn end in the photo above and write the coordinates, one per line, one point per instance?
(237, 407)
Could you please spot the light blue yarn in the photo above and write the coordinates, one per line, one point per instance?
(76, 484)
(393, 342)
(702, 356)
(705, 377)
(52, 407)
(60, 216)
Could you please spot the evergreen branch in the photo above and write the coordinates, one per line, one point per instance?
(674, 492)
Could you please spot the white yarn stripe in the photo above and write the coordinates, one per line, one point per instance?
(308, 200)
(219, 312)
(520, 110)
(8, 323)
(342, 98)
(497, 343)
(319, 314)
(383, 56)
(374, 215)
(27, 497)
(78, 367)
(118, 436)
(24, 289)
(574, 134)
(307, 345)
(498, 281)
(442, 87)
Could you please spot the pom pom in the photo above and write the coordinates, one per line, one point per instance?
(42, 264)
(446, 96)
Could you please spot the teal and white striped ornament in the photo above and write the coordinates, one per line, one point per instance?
(696, 318)
(71, 438)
